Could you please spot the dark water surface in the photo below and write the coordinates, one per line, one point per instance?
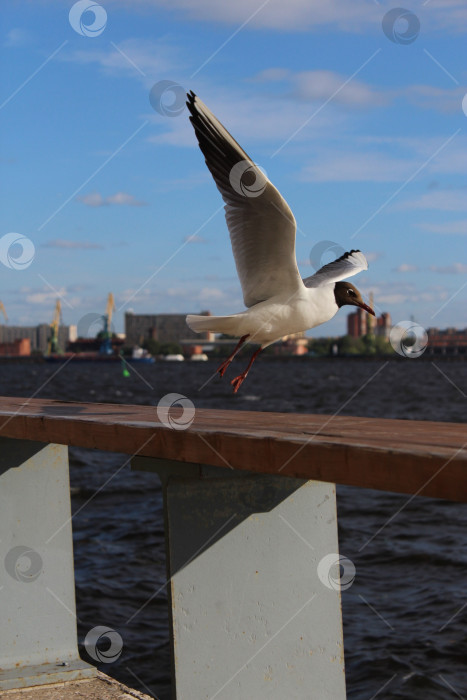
(405, 615)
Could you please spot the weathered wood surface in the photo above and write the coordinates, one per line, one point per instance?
(101, 688)
(416, 457)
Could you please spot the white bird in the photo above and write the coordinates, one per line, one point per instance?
(262, 232)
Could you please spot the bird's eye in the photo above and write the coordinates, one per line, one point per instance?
(351, 292)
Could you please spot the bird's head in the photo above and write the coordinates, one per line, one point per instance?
(346, 293)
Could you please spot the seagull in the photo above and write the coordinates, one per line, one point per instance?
(262, 232)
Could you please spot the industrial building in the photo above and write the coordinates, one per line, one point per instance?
(38, 336)
(361, 323)
(451, 341)
(165, 328)
(18, 348)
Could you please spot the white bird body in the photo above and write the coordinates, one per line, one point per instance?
(270, 320)
(262, 232)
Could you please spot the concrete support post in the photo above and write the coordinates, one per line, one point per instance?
(38, 642)
(256, 612)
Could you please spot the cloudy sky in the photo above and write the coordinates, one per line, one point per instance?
(354, 112)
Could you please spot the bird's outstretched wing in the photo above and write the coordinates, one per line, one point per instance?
(261, 224)
(349, 264)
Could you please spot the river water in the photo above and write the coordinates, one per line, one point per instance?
(405, 614)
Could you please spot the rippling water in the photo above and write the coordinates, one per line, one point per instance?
(404, 620)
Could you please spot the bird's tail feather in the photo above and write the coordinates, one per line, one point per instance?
(216, 324)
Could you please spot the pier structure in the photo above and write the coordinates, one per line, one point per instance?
(251, 537)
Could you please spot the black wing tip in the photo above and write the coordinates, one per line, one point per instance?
(347, 255)
(190, 101)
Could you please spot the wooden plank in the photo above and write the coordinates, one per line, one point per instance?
(415, 457)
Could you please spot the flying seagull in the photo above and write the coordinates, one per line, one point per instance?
(262, 232)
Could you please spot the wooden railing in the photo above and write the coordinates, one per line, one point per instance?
(254, 613)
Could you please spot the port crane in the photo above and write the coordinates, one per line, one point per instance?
(3, 310)
(371, 321)
(53, 340)
(106, 345)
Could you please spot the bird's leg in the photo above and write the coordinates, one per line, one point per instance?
(238, 381)
(227, 362)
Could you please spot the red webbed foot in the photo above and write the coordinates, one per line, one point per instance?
(238, 381)
(221, 370)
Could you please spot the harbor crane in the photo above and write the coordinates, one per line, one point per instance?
(53, 340)
(106, 345)
(3, 310)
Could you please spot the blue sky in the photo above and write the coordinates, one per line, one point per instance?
(364, 136)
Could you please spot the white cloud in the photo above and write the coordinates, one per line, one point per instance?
(95, 199)
(191, 181)
(388, 294)
(252, 118)
(120, 198)
(194, 239)
(445, 227)
(374, 255)
(358, 166)
(435, 98)
(371, 256)
(321, 85)
(72, 245)
(45, 296)
(406, 267)
(454, 269)
(138, 58)
(182, 298)
(272, 75)
(442, 200)
(134, 295)
(210, 294)
(393, 298)
(295, 14)
(386, 159)
(305, 15)
(263, 117)
(17, 36)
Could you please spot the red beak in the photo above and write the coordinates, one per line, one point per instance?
(367, 308)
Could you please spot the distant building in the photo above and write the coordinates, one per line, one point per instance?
(94, 345)
(72, 333)
(356, 323)
(360, 323)
(18, 348)
(383, 325)
(450, 341)
(294, 344)
(165, 328)
(38, 336)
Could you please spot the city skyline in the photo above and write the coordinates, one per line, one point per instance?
(355, 116)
